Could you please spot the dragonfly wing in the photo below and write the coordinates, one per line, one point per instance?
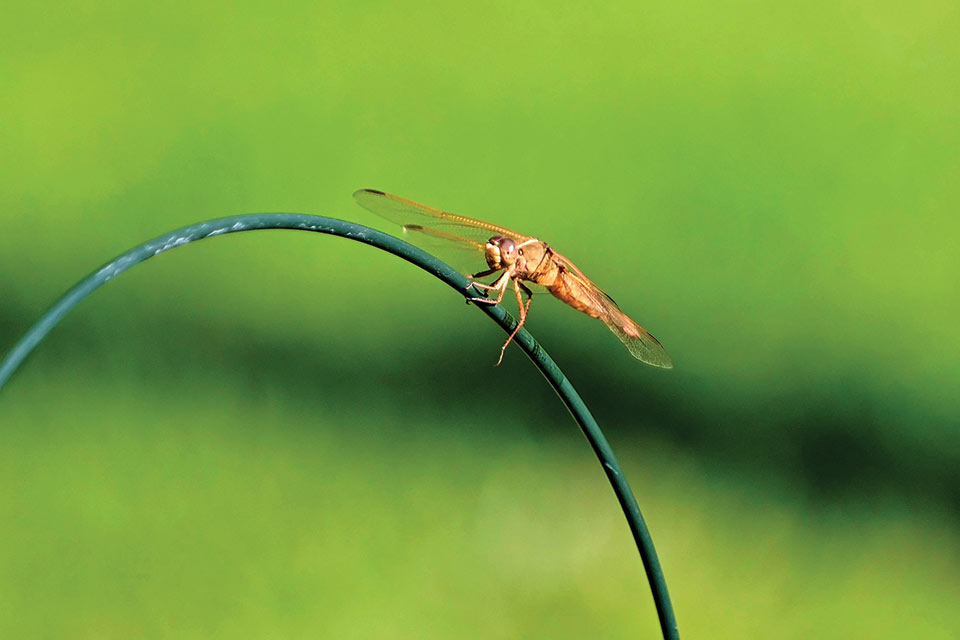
(641, 344)
(463, 254)
(410, 214)
(638, 341)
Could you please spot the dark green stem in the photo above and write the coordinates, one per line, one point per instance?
(428, 263)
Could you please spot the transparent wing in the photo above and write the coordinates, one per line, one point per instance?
(463, 254)
(419, 218)
(638, 341)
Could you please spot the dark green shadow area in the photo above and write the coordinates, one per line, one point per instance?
(829, 445)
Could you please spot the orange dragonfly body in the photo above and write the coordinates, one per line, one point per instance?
(519, 259)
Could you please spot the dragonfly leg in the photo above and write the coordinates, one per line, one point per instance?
(486, 287)
(500, 285)
(479, 285)
(481, 274)
(524, 308)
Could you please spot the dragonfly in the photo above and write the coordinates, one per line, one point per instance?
(514, 258)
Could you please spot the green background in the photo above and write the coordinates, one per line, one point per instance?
(278, 434)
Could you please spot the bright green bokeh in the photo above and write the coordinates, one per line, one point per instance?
(771, 190)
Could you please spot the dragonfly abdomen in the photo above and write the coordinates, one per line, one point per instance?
(570, 291)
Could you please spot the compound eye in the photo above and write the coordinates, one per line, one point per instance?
(508, 248)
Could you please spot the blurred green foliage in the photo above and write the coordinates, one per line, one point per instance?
(271, 434)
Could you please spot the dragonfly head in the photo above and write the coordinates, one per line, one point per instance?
(500, 252)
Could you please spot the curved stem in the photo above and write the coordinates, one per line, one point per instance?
(428, 263)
